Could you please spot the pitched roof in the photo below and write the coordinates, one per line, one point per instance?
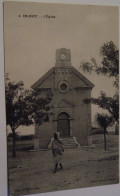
(43, 78)
(52, 70)
(83, 78)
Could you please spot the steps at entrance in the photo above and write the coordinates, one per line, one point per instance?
(68, 142)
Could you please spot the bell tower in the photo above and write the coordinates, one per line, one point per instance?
(63, 70)
(63, 57)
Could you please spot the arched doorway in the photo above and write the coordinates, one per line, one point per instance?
(63, 124)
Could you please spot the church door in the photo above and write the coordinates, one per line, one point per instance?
(63, 124)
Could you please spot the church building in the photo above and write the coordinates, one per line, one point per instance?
(71, 116)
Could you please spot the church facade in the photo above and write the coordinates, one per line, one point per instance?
(71, 116)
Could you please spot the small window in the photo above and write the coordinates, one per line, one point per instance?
(63, 87)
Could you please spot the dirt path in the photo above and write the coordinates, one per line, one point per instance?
(32, 172)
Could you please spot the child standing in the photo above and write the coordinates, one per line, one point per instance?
(57, 150)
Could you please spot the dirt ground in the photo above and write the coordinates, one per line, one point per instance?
(32, 172)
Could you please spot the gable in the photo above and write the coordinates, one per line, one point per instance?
(46, 81)
(78, 80)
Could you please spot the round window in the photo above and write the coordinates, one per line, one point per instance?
(63, 87)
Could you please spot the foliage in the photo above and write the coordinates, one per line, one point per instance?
(109, 65)
(111, 104)
(25, 107)
(104, 121)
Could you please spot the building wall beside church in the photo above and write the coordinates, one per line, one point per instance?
(82, 116)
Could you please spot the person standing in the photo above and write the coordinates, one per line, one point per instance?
(57, 151)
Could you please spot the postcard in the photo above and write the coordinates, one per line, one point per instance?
(62, 100)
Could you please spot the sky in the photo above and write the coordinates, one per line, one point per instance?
(31, 42)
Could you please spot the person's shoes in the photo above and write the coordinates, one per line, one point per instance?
(61, 167)
(55, 167)
(54, 171)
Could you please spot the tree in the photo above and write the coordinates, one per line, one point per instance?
(24, 107)
(109, 67)
(111, 104)
(104, 121)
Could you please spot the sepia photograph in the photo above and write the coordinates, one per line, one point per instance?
(62, 96)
